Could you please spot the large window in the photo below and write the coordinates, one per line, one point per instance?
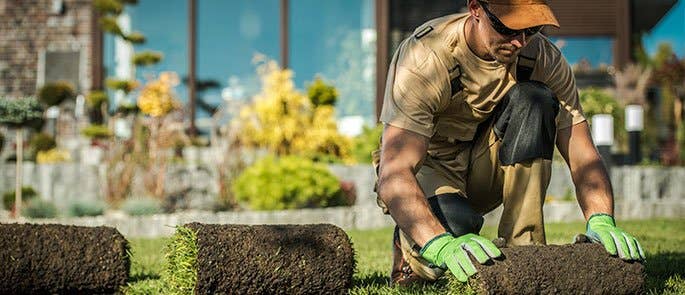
(597, 51)
(229, 34)
(336, 40)
(671, 29)
(165, 26)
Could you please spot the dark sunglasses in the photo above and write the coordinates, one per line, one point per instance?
(503, 30)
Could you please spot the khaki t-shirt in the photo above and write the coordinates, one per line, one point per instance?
(419, 95)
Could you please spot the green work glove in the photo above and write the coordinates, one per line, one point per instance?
(446, 251)
(601, 228)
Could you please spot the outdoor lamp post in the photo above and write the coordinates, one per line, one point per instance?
(52, 113)
(634, 126)
(603, 136)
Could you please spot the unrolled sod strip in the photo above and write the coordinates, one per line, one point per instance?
(558, 269)
(259, 259)
(50, 259)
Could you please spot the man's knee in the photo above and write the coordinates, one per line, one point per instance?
(527, 125)
(455, 214)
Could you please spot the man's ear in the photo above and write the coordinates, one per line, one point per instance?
(474, 9)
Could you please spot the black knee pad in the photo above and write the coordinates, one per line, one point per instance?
(526, 124)
(455, 214)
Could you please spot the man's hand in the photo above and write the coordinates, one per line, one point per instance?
(446, 251)
(601, 228)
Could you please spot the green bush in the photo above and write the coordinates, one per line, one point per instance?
(108, 6)
(109, 25)
(22, 112)
(287, 183)
(597, 101)
(95, 99)
(366, 142)
(124, 85)
(141, 206)
(86, 208)
(320, 93)
(55, 93)
(147, 58)
(41, 142)
(27, 193)
(95, 131)
(135, 38)
(38, 208)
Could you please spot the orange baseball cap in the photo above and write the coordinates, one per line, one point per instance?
(521, 14)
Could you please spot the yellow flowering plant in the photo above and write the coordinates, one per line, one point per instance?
(157, 98)
(284, 121)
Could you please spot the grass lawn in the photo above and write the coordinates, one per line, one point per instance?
(662, 240)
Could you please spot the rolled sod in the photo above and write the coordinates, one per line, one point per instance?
(62, 259)
(559, 269)
(259, 259)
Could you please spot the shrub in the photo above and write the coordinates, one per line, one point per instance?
(321, 94)
(366, 142)
(27, 193)
(114, 7)
(86, 208)
(96, 132)
(55, 93)
(20, 112)
(142, 206)
(124, 85)
(41, 142)
(52, 156)
(96, 99)
(135, 38)
(147, 58)
(596, 101)
(37, 208)
(284, 121)
(109, 24)
(288, 183)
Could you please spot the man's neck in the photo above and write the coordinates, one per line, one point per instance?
(473, 42)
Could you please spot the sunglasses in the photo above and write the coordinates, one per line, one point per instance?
(503, 30)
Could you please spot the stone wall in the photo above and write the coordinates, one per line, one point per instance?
(30, 29)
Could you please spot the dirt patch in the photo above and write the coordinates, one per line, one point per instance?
(559, 269)
(273, 259)
(59, 259)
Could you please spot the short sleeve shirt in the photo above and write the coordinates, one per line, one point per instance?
(419, 95)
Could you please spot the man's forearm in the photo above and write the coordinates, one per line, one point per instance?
(408, 206)
(593, 187)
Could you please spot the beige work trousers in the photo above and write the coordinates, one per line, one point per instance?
(474, 172)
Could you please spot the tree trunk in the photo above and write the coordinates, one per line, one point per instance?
(19, 174)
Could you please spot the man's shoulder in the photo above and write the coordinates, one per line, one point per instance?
(539, 46)
(432, 41)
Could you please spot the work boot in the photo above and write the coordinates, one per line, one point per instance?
(401, 275)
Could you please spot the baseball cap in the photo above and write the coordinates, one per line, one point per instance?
(521, 14)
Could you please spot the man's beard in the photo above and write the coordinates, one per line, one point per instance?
(505, 54)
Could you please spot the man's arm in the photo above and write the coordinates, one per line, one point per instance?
(594, 194)
(401, 153)
(590, 177)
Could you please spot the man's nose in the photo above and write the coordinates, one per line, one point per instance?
(519, 40)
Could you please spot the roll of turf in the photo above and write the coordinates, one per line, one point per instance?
(61, 259)
(559, 269)
(259, 259)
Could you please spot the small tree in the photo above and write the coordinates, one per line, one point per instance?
(17, 114)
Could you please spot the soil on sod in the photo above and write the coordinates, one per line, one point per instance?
(273, 259)
(559, 269)
(59, 259)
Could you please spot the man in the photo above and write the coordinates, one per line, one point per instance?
(473, 107)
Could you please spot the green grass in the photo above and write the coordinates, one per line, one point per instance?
(662, 240)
